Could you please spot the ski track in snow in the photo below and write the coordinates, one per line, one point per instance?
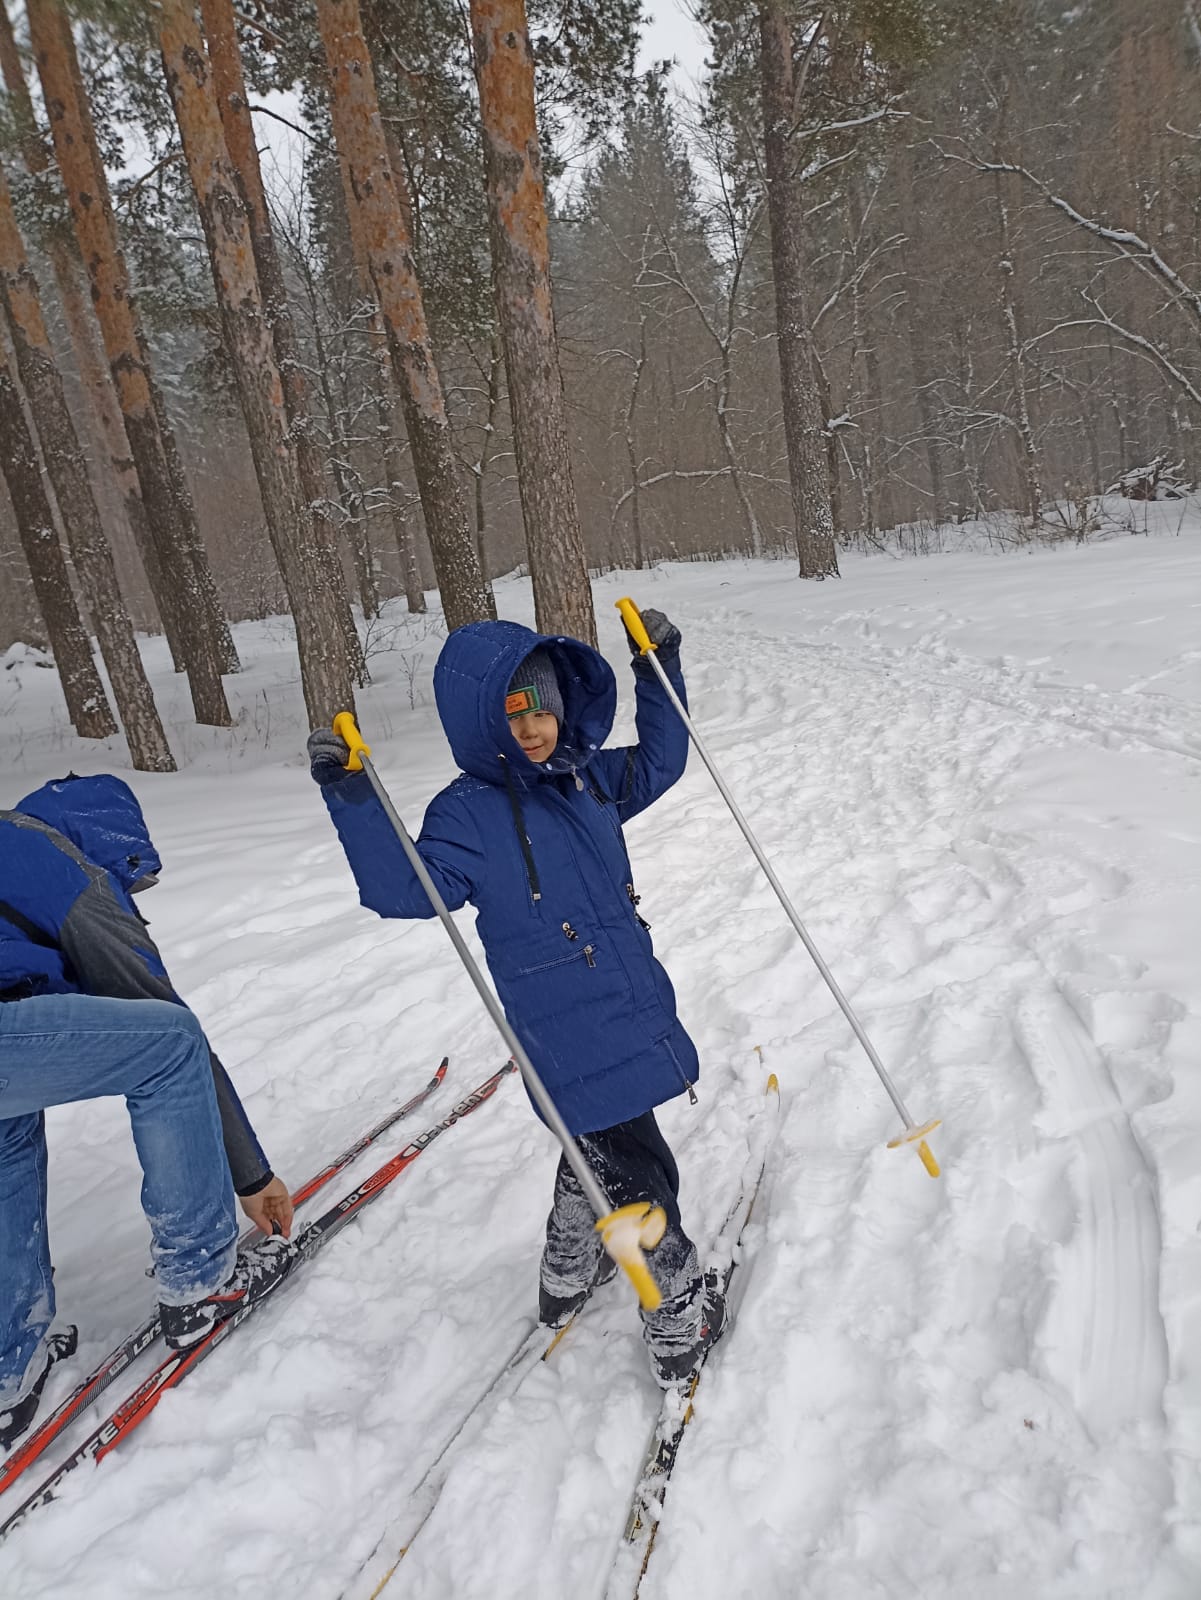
(956, 1388)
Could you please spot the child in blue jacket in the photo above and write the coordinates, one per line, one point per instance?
(530, 833)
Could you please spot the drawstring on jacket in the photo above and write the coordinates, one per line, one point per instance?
(531, 871)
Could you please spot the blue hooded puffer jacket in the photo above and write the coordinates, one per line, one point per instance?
(539, 852)
(71, 854)
(102, 818)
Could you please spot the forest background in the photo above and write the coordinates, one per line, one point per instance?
(863, 271)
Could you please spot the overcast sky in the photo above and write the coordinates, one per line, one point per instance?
(671, 33)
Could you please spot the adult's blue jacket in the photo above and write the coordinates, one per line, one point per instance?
(539, 852)
(70, 853)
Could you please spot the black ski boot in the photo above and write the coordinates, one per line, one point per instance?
(257, 1271)
(15, 1421)
(678, 1366)
(555, 1310)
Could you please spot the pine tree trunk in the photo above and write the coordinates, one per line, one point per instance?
(186, 526)
(402, 529)
(803, 425)
(354, 111)
(916, 334)
(228, 82)
(324, 672)
(67, 467)
(1013, 351)
(191, 538)
(87, 705)
(387, 397)
(105, 424)
(504, 68)
(95, 231)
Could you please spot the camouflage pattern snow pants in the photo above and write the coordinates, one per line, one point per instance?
(633, 1162)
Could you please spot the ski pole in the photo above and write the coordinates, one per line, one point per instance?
(912, 1133)
(626, 1231)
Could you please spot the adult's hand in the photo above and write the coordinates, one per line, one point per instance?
(271, 1206)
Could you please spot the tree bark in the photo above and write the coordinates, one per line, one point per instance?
(803, 425)
(504, 68)
(325, 676)
(230, 87)
(95, 232)
(387, 397)
(83, 691)
(104, 413)
(480, 470)
(67, 466)
(358, 133)
(185, 526)
(1013, 353)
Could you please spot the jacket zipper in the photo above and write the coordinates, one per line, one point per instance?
(589, 951)
(636, 901)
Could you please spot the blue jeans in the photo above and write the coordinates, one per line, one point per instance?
(55, 1049)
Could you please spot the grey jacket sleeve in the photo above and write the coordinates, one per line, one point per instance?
(111, 953)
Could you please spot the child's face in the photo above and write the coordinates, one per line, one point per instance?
(537, 732)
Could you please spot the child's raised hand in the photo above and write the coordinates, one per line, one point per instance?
(661, 632)
(328, 755)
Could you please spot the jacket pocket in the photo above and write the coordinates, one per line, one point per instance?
(586, 953)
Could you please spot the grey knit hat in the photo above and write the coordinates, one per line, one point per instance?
(535, 687)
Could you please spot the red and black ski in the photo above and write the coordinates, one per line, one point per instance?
(116, 1362)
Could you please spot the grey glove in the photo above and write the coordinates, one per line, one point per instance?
(328, 755)
(664, 635)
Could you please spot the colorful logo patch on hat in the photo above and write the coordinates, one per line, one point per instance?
(522, 700)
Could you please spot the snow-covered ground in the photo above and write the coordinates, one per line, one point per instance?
(980, 778)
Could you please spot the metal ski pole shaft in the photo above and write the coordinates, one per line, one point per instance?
(913, 1134)
(626, 1231)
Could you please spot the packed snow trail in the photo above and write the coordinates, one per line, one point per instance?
(978, 780)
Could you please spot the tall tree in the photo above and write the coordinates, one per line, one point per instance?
(804, 427)
(354, 111)
(67, 468)
(169, 515)
(248, 343)
(104, 411)
(87, 705)
(188, 525)
(521, 281)
(220, 30)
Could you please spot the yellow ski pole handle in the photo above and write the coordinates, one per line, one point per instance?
(345, 725)
(625, 1234)
(632, 618)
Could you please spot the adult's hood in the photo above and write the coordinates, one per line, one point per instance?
(472, 677)
(102, 818)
